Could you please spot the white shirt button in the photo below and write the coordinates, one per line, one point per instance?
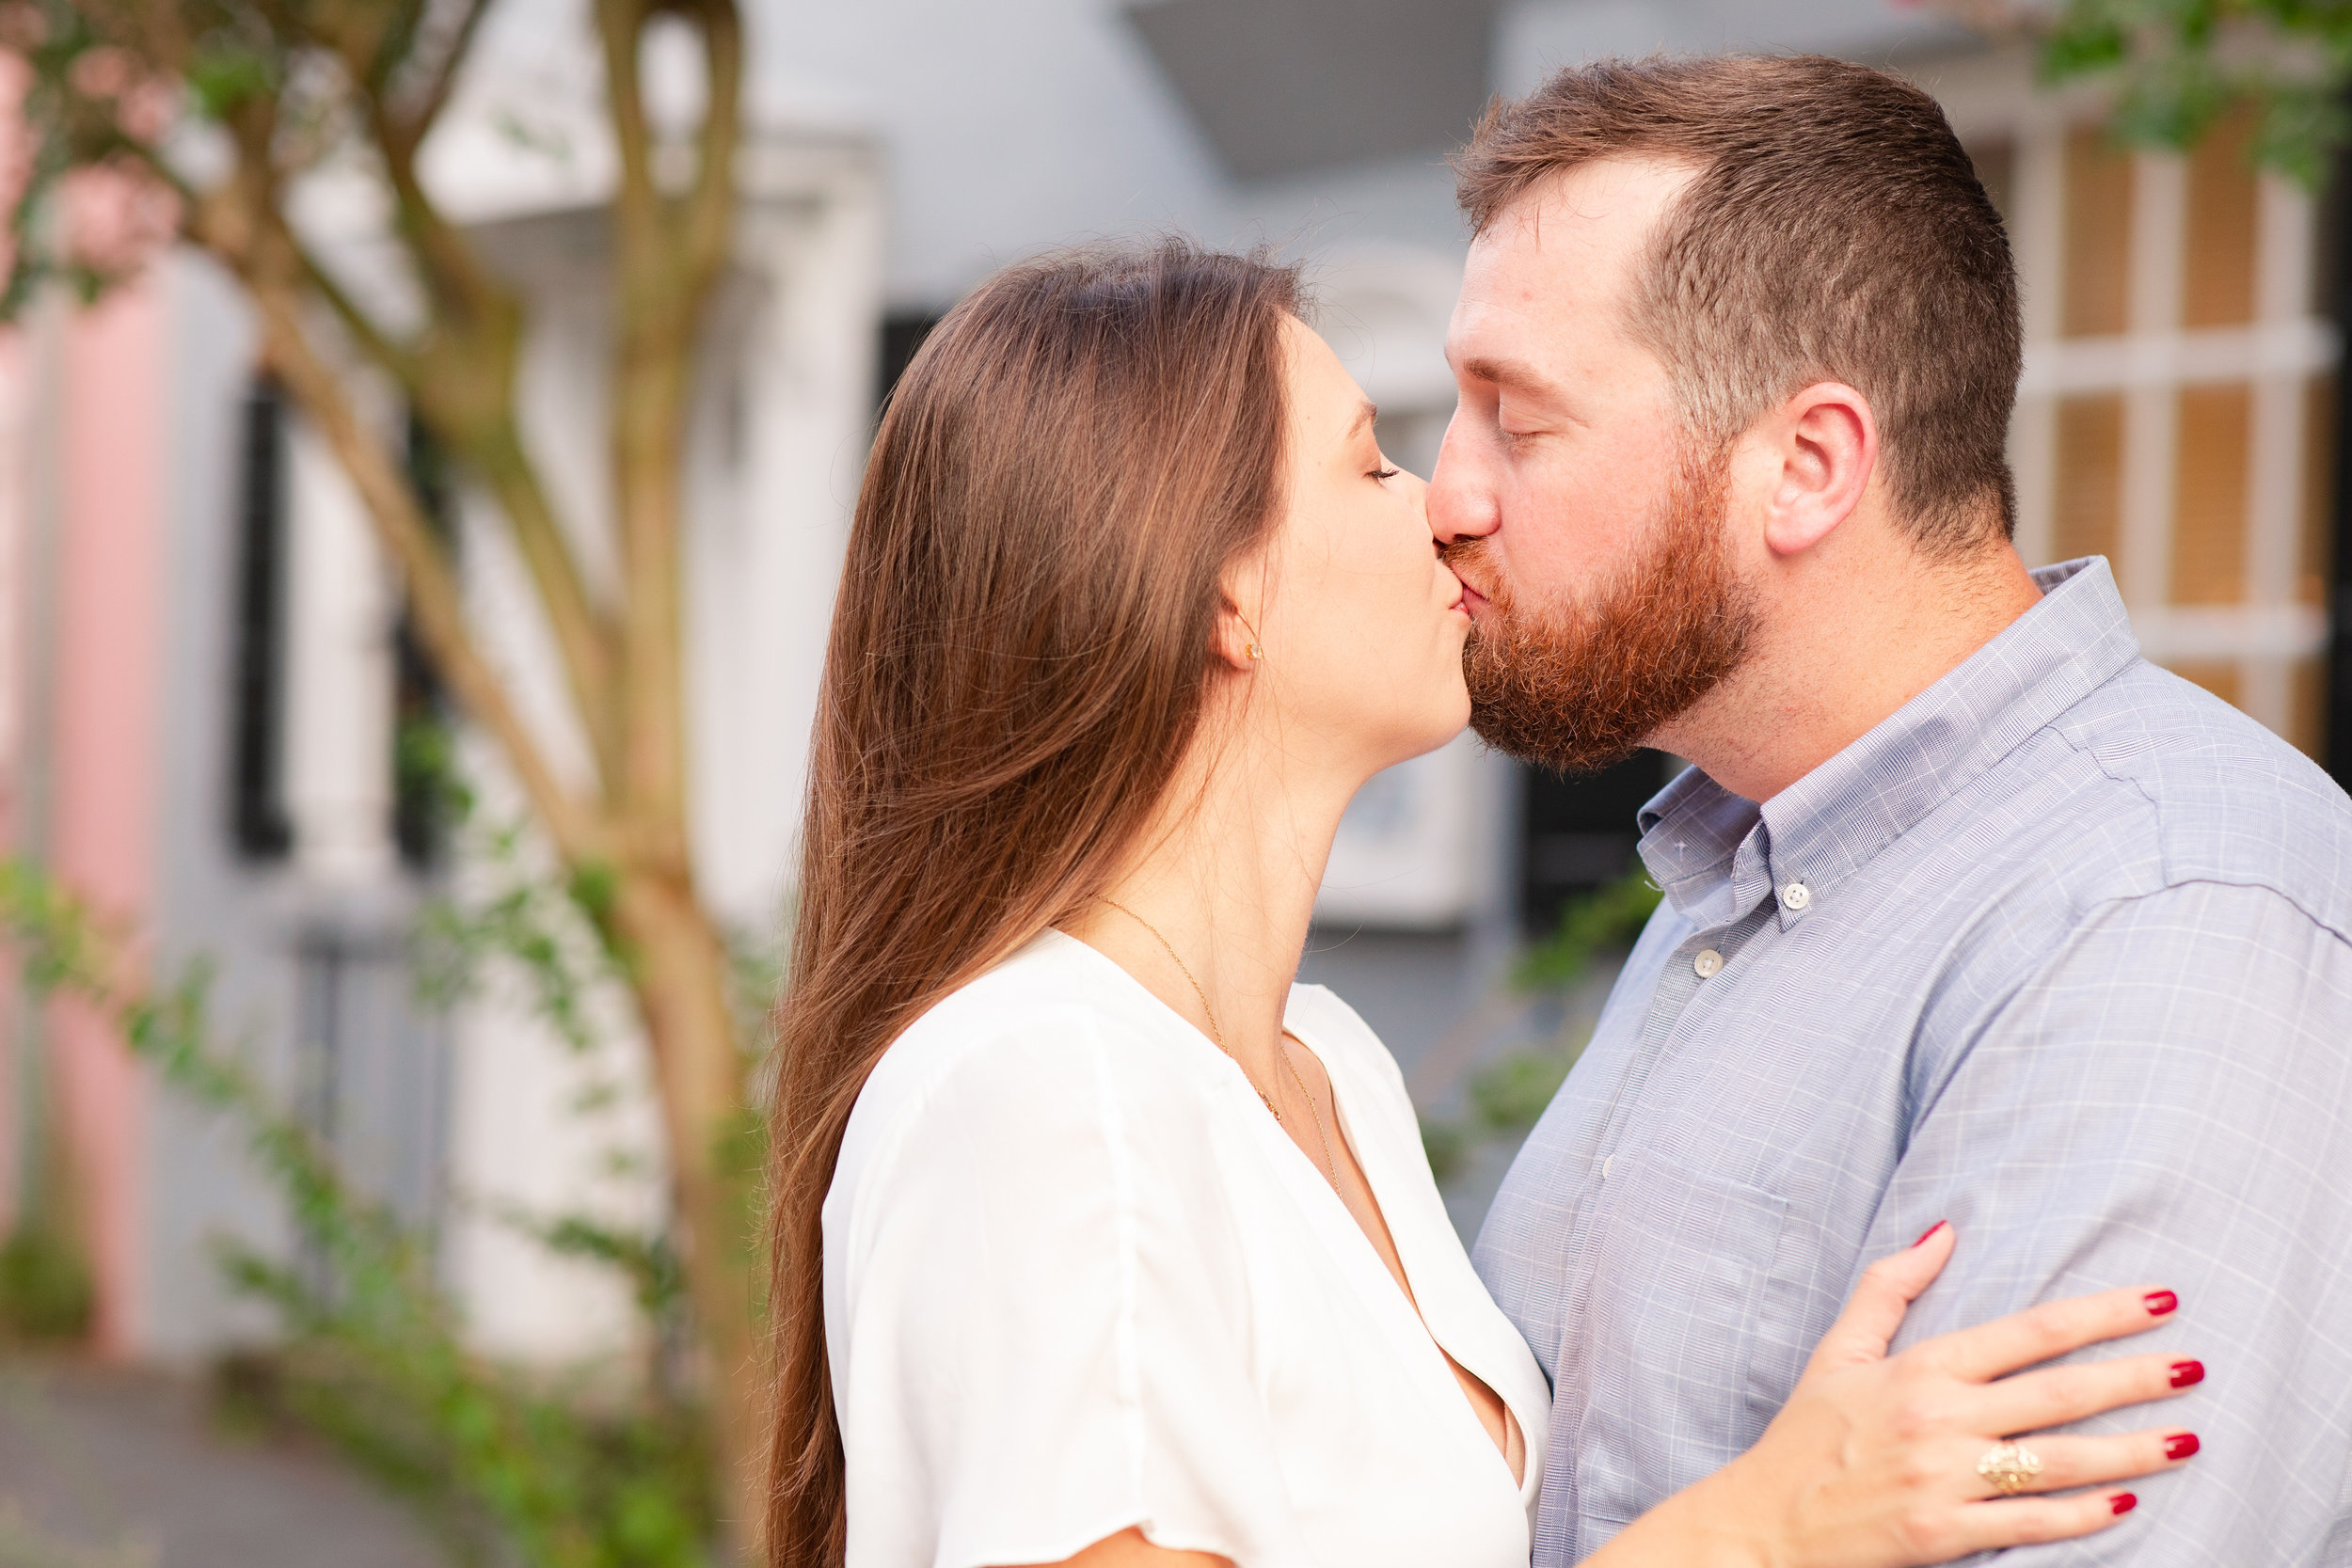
(1706, 963)
(1606, 1165)
(1796, 895)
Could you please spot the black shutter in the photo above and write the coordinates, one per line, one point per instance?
(426, 793)
(258, 825)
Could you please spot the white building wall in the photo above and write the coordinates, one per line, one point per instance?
(780, 449)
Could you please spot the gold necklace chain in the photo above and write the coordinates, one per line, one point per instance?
(1282, 1046)
(1330, 1166)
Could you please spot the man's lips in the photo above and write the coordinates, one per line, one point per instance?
(1471, 600)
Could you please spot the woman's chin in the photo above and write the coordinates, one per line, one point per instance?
(1440, 732)
(1458, 708)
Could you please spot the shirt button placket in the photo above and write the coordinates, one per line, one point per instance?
(1677, 984)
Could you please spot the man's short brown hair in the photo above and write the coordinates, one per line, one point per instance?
(1837, 231)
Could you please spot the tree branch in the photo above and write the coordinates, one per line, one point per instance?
(459, 374)
(463, 381)
(372, 340)
(635, 200)
(417, 118)
(709, 229)
(668, 254)
(240, 221)
(434, 597)
(651, 365)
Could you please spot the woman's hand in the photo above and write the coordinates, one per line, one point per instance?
(1872, 1463)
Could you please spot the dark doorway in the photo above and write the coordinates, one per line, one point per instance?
(2335, 745)
(1578, 831)
(902, 333)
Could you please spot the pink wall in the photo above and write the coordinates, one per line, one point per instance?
(109, 621)
(15, 645)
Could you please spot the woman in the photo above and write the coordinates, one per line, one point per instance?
(1098, 1241)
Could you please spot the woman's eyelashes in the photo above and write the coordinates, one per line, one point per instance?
(1386, 473)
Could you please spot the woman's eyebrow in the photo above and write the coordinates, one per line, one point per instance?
(1366, 413)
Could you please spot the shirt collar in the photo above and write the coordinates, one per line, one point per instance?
(1716, 854)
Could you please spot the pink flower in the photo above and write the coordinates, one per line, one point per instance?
(99, 72)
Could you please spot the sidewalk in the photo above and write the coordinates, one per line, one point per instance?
(103, 1468)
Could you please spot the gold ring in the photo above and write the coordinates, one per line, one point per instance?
(2011, 1468)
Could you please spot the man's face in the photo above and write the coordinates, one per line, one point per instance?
(1591, 544)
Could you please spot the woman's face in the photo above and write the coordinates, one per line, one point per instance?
(1361, 624)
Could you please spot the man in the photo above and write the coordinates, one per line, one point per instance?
(1971, 913)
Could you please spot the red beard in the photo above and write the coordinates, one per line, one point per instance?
(1581, 685)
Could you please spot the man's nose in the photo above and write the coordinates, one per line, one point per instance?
(1461, 498)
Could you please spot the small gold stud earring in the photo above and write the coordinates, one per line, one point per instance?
(1256, 651)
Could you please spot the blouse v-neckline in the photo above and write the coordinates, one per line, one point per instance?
(1401, 1309)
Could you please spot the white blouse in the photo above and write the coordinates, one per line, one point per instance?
(1077, 1280)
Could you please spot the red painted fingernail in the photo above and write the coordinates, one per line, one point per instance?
(2186, 1372)
(1929, 1231)
(2161, 1302)
(2125, 1502)
(2181, 1447)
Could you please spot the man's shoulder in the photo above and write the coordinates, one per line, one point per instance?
(2225, 800)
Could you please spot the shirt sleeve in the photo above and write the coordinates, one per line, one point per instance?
(2171, 1102)
(1046, 1332)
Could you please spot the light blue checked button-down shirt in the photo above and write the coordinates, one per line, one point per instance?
(2062, 952)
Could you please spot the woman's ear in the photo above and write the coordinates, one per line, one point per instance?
(1236, 641)
(1825, 442)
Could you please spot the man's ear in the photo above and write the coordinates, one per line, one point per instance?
(1825, 442)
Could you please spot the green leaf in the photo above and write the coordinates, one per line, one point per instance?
(1510, 1095)
(2301, 129)
(1448, 1144)
(1609, 916)
(2083, 50)
(2173, 84)
(223, 79)
(2173, 101)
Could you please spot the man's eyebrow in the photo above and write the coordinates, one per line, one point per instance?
(1511, 374)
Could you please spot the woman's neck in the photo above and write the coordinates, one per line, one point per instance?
(1227, 877)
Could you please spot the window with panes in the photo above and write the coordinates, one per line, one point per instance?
(2176, 413)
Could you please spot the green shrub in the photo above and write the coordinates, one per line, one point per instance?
(1509, 1096)
(45, 1289)
(508, 1468)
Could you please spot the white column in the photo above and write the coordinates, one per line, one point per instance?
(2151, 412)
(340, 610)
(2274, 501)
(2037, 238)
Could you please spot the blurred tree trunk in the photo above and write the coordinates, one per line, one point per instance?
(289, 87)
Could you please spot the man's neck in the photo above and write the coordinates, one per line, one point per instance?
(1836, 659)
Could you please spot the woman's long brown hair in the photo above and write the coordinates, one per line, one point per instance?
(1019, 656)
